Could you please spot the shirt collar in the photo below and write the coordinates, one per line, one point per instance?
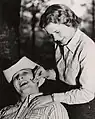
(74, 41)
(72, 44)
(34, 95)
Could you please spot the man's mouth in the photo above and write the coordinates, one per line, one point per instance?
(23, 84)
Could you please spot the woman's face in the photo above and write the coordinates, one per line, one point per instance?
(60, 32)
(24, 82)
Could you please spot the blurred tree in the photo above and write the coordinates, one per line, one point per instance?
(9, 25)
(88, 16)
(30, 13)
(87, 22)
(9, 33)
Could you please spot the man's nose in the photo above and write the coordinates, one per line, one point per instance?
(20, 77)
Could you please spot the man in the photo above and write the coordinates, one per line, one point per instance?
(75, 59)
(22, 75)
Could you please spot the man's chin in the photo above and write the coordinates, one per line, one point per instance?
(27, 91)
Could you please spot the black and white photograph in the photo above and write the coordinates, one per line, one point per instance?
(47, 59)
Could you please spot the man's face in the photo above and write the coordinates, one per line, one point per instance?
(24, 82)
(60, 32)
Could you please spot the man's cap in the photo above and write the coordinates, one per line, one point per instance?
(23, 63)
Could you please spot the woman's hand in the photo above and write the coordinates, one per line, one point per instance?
(48, 74)
(41, 100)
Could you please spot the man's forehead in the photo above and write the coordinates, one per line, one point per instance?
(22, 70)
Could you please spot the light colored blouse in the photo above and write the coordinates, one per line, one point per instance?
(79, 66)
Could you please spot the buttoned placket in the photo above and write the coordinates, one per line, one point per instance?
(22, 108)
(61, 55)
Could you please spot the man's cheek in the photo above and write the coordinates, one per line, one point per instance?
(17, 86)
(30, 78)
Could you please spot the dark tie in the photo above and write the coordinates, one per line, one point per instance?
(62, 50)
(61, 62)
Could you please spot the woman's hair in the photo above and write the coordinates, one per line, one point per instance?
(61, 14)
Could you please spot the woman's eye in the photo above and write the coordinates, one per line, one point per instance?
(56, 31)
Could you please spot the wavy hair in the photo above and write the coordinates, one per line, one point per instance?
(61, 14)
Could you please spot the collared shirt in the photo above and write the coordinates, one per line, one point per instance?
(79, 68)
(53, 110)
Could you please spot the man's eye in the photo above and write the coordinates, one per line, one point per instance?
(24, 73)
(16, 77)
